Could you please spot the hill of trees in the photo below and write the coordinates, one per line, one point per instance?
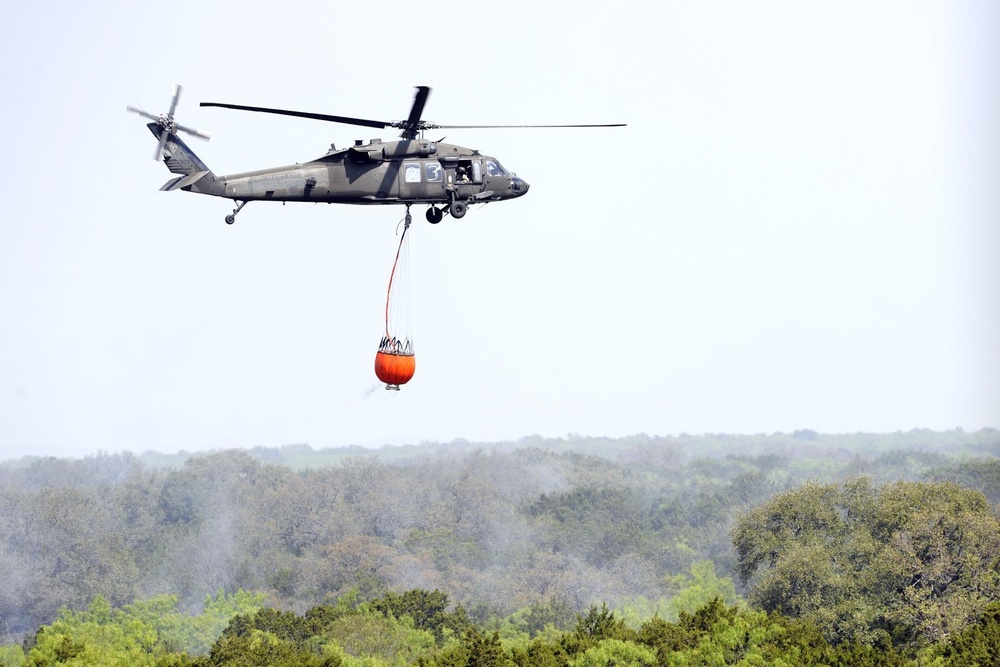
(874, 545)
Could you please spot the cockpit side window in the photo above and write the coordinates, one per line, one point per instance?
(493, 168)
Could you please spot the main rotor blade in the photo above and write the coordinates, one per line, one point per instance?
(493, 127)
(364, 122)
(417, 110)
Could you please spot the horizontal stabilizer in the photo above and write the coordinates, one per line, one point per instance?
(183, 181)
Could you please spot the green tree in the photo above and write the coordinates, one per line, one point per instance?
(719, 635)
(616, 652)
(144, 632)
(285, 625)
(981, 474)
(595, 626)
(918, 561)
(690, 593)
(428, 609)
(599, 524)
(11, 656)
(477, 649)
(977, 645)
(555, 613)
(95, 637)
(370, 636)
(257, 648)
(540, 653)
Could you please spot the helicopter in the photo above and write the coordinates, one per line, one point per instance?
(411, 170)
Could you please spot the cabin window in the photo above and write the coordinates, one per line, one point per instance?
(411, 172)
(433, 172)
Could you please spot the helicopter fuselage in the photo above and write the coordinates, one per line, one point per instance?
(396, 172)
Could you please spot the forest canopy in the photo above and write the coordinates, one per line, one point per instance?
(863, 542)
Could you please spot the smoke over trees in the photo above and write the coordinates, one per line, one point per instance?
(538, 529)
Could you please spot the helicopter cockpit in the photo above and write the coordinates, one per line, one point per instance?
(494, 170)
(471, 170)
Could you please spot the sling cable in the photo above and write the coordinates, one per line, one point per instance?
(394, 361)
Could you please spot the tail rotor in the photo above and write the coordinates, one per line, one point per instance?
(167, 124)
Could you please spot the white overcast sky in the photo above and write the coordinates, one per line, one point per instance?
(799, 228)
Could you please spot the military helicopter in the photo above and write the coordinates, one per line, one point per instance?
(408, 171)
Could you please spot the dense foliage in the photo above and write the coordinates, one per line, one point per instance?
(912, 561)
(344, 545)
(348, 634)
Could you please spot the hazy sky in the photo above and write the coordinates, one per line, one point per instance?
(799, 228)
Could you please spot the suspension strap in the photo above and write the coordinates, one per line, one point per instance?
(392, 275)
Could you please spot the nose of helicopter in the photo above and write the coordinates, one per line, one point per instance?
(519, 186)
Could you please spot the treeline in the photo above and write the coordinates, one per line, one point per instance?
(417, 627)
(636, 522)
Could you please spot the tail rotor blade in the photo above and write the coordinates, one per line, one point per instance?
(144, 114)
(173, 102)
(167, 124)
(158, 155)
(195, 133)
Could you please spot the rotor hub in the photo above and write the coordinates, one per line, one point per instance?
(168, 123)
(168, 126)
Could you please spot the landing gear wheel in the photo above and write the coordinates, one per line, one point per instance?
(434, 215)
(458, 209)
(230, 219)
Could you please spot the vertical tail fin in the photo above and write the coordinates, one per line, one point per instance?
(180, 159)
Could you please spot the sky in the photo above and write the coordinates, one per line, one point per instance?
(798, 228)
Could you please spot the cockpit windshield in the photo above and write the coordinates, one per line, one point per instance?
(493, 168)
